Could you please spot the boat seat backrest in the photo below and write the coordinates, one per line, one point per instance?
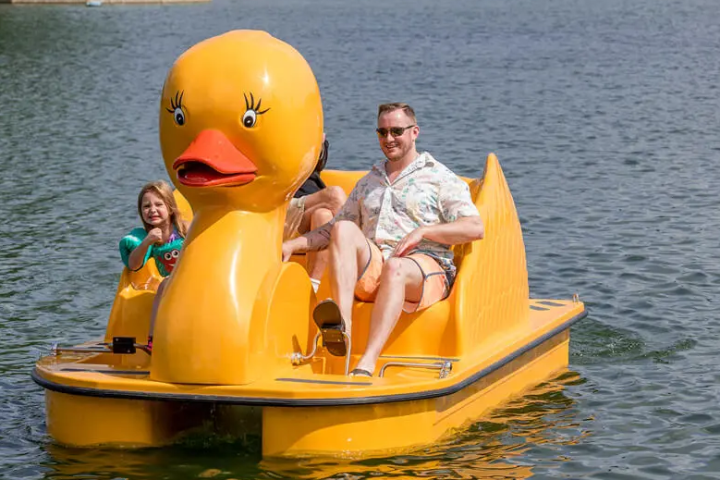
(459, 250)
(130, 314)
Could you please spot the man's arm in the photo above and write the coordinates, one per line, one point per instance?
(462, 230)
(314, 240)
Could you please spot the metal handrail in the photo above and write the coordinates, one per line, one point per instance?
(297, 358)
(445, 367)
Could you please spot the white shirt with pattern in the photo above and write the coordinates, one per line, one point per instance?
(425, 193)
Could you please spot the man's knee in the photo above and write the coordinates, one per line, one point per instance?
(343, 229)
(319, 217)
(346, 235)
(393, 271)
(335, 197)
(337, 193)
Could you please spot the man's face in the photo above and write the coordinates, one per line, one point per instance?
(394, 123)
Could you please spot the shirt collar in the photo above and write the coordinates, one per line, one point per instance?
(422, 159)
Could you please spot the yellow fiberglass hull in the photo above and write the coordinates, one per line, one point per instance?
(91, 400)
(441, 370)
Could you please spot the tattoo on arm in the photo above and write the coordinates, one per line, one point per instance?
(318, 238)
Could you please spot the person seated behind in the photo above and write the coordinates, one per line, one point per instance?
(314, 204)
(161, 237)
(391, 241)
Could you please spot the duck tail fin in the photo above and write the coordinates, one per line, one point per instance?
(491, 290)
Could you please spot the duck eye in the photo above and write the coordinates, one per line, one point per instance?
(176, 108)
(179, 116)
(249, 118)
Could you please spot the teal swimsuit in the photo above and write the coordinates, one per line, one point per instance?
(165, 255)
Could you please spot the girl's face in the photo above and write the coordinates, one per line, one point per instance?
(154, 211)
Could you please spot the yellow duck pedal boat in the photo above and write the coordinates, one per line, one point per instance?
(236, 349)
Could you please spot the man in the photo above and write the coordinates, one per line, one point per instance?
(313, 205)
(390, 243)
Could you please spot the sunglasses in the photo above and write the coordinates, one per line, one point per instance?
(394, 131)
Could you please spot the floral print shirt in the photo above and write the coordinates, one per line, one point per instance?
(425, 193)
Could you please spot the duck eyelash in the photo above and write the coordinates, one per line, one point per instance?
(251, 104)
(176, 103)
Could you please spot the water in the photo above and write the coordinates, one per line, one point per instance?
(604, 116)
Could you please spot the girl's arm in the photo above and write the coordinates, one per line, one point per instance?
(138, 255)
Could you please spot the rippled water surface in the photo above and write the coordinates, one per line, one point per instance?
(604, 115)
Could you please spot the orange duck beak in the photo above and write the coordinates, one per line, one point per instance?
(212, 160)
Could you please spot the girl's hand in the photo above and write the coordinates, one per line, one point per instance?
(154, 236)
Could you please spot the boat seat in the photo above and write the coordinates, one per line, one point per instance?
(130, 314)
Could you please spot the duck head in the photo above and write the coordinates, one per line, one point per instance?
(240, 122)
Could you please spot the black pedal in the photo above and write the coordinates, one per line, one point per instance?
(123, 345)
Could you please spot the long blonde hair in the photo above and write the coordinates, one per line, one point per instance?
(164, 191)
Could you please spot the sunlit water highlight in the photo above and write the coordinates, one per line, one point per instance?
(604, 116)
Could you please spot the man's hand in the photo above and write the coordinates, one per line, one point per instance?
(287, 250)
(311, 241)
(410, 241)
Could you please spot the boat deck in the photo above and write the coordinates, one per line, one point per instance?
(129, 376)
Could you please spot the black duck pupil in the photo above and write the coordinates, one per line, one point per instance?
(248, 121)
(179, 118)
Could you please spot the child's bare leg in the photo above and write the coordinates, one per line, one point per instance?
(155, 306)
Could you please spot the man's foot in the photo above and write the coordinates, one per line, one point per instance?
(329, 320)
(360, 372)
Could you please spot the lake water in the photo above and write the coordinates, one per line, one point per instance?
(604, 115)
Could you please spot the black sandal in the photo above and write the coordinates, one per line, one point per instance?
(329, 320)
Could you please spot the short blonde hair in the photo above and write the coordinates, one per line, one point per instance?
(391, 107)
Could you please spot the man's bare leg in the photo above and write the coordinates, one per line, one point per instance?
(317, 261)
(401, 280)
(349, 253)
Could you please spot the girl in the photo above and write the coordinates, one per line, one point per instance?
(161, 238)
